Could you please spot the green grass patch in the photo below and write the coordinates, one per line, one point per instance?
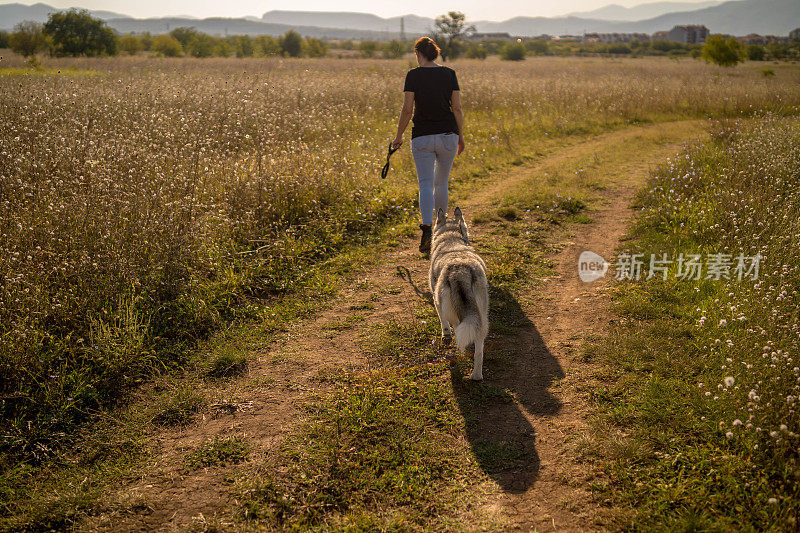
(383, 451)
(22, 71)
(705, 377)
(179, 405)
(221, 451)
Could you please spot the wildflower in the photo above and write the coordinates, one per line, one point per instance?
(729, 381)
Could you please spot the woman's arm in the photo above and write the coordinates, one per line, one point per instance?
(455, 103)
(405, 117)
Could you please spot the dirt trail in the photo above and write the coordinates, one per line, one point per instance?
(547, 374)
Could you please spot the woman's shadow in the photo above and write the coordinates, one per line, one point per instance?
(518, 370)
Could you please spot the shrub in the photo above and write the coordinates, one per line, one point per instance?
(314, 47)
(167, 45)
(721, 51)
(130, 44)
(266, 45)
(755, 52)
(513, 52)
(476, 51)
(242, 45)
(368, 48)
(618, 48)
(28, 38)
(394, 50)
(537, 47)
(201, 45)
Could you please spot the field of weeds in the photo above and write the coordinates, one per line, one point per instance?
(145, 203)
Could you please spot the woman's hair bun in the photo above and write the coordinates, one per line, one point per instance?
(427, 47)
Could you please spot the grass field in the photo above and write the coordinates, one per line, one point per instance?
(151, 207)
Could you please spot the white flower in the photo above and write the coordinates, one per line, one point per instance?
(737, 422)
(723, 322)
(729, 381)
(729, 434)
(773, 501)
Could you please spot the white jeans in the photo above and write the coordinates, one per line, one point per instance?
(433, 158)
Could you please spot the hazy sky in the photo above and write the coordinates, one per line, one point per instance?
(475, 9)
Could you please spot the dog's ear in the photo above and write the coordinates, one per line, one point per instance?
(457, 213)
(441, 217)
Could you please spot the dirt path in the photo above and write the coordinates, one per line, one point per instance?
(549, 418)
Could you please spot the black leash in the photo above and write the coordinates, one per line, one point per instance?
(385, 169)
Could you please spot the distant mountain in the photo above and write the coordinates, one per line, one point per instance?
(239, 26)
(738, 17)
(354, 21)
(766, 17)
(12, 14)
(775, 17)
(642, 11)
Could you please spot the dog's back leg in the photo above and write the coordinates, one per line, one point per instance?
(440, 300)
(477, 361)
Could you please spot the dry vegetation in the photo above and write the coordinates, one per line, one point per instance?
(146, 202)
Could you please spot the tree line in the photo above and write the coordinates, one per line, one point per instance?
(77, 33)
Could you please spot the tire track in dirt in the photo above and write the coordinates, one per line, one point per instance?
(550, 418)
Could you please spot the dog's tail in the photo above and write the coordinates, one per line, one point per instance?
(471, 325)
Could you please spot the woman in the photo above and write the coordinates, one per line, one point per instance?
(432, 97)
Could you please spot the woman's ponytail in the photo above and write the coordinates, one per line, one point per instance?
(427, 47)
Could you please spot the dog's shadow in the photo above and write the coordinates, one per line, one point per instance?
(518, 370)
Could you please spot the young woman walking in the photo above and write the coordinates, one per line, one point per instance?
(432, 98)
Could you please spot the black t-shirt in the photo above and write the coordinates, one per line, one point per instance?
(432, 87)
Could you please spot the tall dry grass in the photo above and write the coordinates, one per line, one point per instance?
(143, 201)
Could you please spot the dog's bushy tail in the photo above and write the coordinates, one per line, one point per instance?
(471, 327)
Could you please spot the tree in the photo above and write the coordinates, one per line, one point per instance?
(167, 45)
(130, 44)
(721, 51)
(28, 38)
(291, 44)
(368, 48)
(185, 36)
(314, 48)
(4, 35)
(202, 45)
(513, 52)
(76, 32)
(394, 49)
(755, 52)
(450, 31)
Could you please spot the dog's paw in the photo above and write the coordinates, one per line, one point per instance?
(476, 376)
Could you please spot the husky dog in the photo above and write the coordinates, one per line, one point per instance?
(459, 287)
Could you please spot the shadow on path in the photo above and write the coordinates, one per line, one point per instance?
(518, 370)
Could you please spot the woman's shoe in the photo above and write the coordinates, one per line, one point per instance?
(425, 242)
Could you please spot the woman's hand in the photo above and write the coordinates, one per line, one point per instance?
(397, 142)
(460, 144)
